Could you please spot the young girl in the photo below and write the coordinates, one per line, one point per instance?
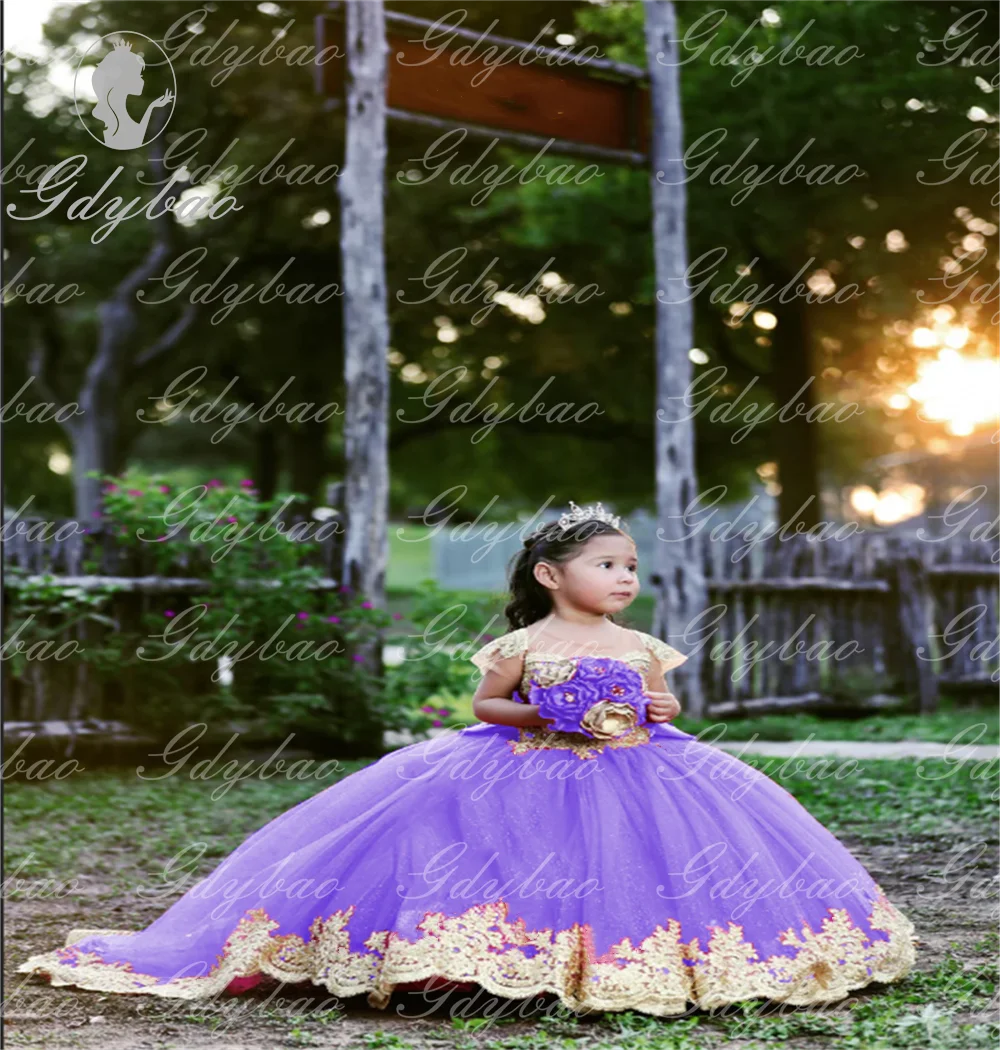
(636, 869)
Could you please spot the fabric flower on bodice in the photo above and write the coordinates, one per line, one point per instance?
(603, 699)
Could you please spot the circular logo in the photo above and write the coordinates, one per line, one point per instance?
(121, 65)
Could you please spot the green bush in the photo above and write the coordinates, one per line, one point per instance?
(435, 671)
(294, 648)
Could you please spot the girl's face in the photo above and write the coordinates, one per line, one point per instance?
(602, 577)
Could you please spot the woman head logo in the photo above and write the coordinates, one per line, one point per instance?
(118, 75)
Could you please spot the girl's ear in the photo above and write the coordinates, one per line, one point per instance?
(544, 575)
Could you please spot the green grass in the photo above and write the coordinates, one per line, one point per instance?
(410, 558)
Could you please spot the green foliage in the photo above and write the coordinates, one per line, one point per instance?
(424, 689)
(43, 613)
(290, 643)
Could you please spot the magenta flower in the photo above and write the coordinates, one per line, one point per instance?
(169, 613)
(333, 619)
(303, 615)
(358, 658)
(214, 484)
(231, 520)
(247, 483)
(427, 709)
(367, 605)
(110, 488)
(444, 712)
(135, 492)
(397, 616)
(437, 722)
(164, 488)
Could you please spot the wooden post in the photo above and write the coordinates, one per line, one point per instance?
(366, 324)
(678, 560)
(908, 653)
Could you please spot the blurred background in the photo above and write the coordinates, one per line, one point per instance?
(908, 366)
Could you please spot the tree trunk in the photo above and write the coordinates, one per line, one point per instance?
(96, 435)
(680, 595)
(794, 439)
(366, 324)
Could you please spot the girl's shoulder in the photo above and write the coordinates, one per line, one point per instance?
(513, 643)
(667, 655)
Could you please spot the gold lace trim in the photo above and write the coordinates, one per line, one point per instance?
(515, 642)
(658, 976)
(539, 738)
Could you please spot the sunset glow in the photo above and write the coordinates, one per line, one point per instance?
(962, 392)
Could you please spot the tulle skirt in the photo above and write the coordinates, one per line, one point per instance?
(648, 873)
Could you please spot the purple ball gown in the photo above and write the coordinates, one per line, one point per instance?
(645, 871)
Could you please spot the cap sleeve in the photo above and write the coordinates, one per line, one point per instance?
(667, 655)
(510, 644)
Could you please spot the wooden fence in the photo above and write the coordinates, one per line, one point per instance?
(791, 622)
(867, 613)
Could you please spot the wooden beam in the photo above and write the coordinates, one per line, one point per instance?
(598, 103)
(153, 584)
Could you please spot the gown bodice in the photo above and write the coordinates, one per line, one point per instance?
(548, 668)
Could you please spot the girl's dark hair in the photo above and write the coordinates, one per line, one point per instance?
(529, 600)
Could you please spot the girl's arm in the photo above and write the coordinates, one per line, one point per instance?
(664, 706)
(492, 701)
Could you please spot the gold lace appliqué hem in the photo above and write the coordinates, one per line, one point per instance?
(579, 744)
(659, 976)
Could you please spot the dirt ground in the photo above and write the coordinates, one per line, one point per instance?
(949, 924)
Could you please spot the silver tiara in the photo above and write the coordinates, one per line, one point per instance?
(594, 510)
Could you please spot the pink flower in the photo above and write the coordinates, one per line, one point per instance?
(358, 658)
(444, 712)
(367, 605)
(437, 722)
(427, 708)
(214, 484)
(110, 488)
(135, 492)
(169, 613)
(231, 519)
(333, 619)
(397, 616)
(247, 483)
(164, 488)
(303, 615)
